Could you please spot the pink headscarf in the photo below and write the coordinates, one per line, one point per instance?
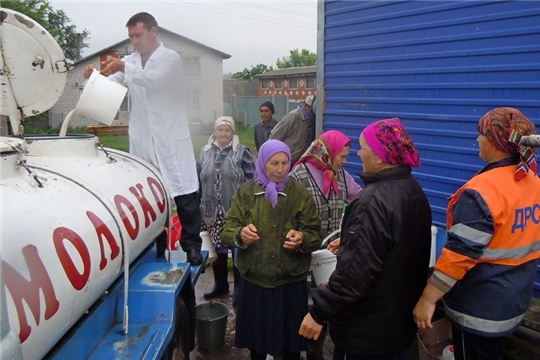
(391, 142)
(322, 152)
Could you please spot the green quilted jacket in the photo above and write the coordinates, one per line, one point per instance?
(266, 263)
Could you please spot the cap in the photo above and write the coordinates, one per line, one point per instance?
(269, 105)
(309, 100)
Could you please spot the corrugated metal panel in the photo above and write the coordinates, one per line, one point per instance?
(437, 65)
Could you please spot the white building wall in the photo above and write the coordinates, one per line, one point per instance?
(209, 83)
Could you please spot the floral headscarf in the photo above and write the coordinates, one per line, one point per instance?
(322, 152)
(267, 150)
(390, 141)
(504, 128)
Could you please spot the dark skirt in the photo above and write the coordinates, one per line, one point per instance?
(268, 320)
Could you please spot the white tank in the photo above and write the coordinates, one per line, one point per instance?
(73, 215)
(70, 218)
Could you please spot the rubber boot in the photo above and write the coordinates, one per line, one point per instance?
(221, 285)
(236, 275)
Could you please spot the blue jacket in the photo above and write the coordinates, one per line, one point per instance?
(492, 250)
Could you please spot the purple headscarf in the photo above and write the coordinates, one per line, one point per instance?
(267, 150)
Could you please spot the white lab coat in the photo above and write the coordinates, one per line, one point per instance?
(158, 125)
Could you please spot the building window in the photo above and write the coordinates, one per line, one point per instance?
(279, 84)
(294, 83)
(194, 99)
(264, 83)
(126, 103)
(192, 65)
(310, 83)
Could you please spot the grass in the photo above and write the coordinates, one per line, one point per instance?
(245, 133)
(118, 142)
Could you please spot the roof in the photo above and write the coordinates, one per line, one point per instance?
(161, 29)
(303, 70)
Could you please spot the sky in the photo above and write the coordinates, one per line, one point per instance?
(251, 31)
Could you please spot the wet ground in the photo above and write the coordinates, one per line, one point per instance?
(228, 351)
(522, 345)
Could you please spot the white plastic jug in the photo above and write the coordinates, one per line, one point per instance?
(448, 353)
(101, 99)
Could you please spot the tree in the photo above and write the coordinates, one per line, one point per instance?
(249, 73)
(297, 58)
(55, 22)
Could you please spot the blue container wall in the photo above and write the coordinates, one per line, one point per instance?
(438, 66)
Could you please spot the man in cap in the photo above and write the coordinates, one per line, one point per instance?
(292, 130)
(263, 129)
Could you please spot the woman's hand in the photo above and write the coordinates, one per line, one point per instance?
(295, 239)
(423, 312)
(310, 328)
(333, 247)
(425, 307)
(249, 234)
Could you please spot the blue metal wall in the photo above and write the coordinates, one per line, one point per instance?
(437, 65)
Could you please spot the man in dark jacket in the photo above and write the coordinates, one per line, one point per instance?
(262, 130)
(383, 256)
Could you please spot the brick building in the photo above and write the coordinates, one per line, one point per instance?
(296, 83)
(203, 70)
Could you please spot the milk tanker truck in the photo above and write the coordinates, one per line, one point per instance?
(79, 277)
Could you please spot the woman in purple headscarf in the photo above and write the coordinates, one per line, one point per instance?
(274, 224)
(383, 258)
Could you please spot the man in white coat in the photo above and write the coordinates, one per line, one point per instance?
(158, 125)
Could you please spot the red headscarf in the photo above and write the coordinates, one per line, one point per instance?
(504, 128)
(322, 152)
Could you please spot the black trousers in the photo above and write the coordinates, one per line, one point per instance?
(189, 212)
(469, 346)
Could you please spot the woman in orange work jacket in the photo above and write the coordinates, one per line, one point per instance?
(486, 270)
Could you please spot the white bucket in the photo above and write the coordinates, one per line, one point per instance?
(208, 246)
(323, 264)
(101, 99)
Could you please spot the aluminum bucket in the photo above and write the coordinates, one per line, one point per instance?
(211, 323)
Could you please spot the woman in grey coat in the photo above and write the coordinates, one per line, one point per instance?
(224, 164)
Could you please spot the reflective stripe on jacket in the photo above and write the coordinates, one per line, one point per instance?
(492, 250)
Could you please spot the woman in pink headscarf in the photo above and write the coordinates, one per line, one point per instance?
(383, 259)
(321, 171)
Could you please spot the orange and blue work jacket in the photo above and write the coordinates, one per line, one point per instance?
(488, 264)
